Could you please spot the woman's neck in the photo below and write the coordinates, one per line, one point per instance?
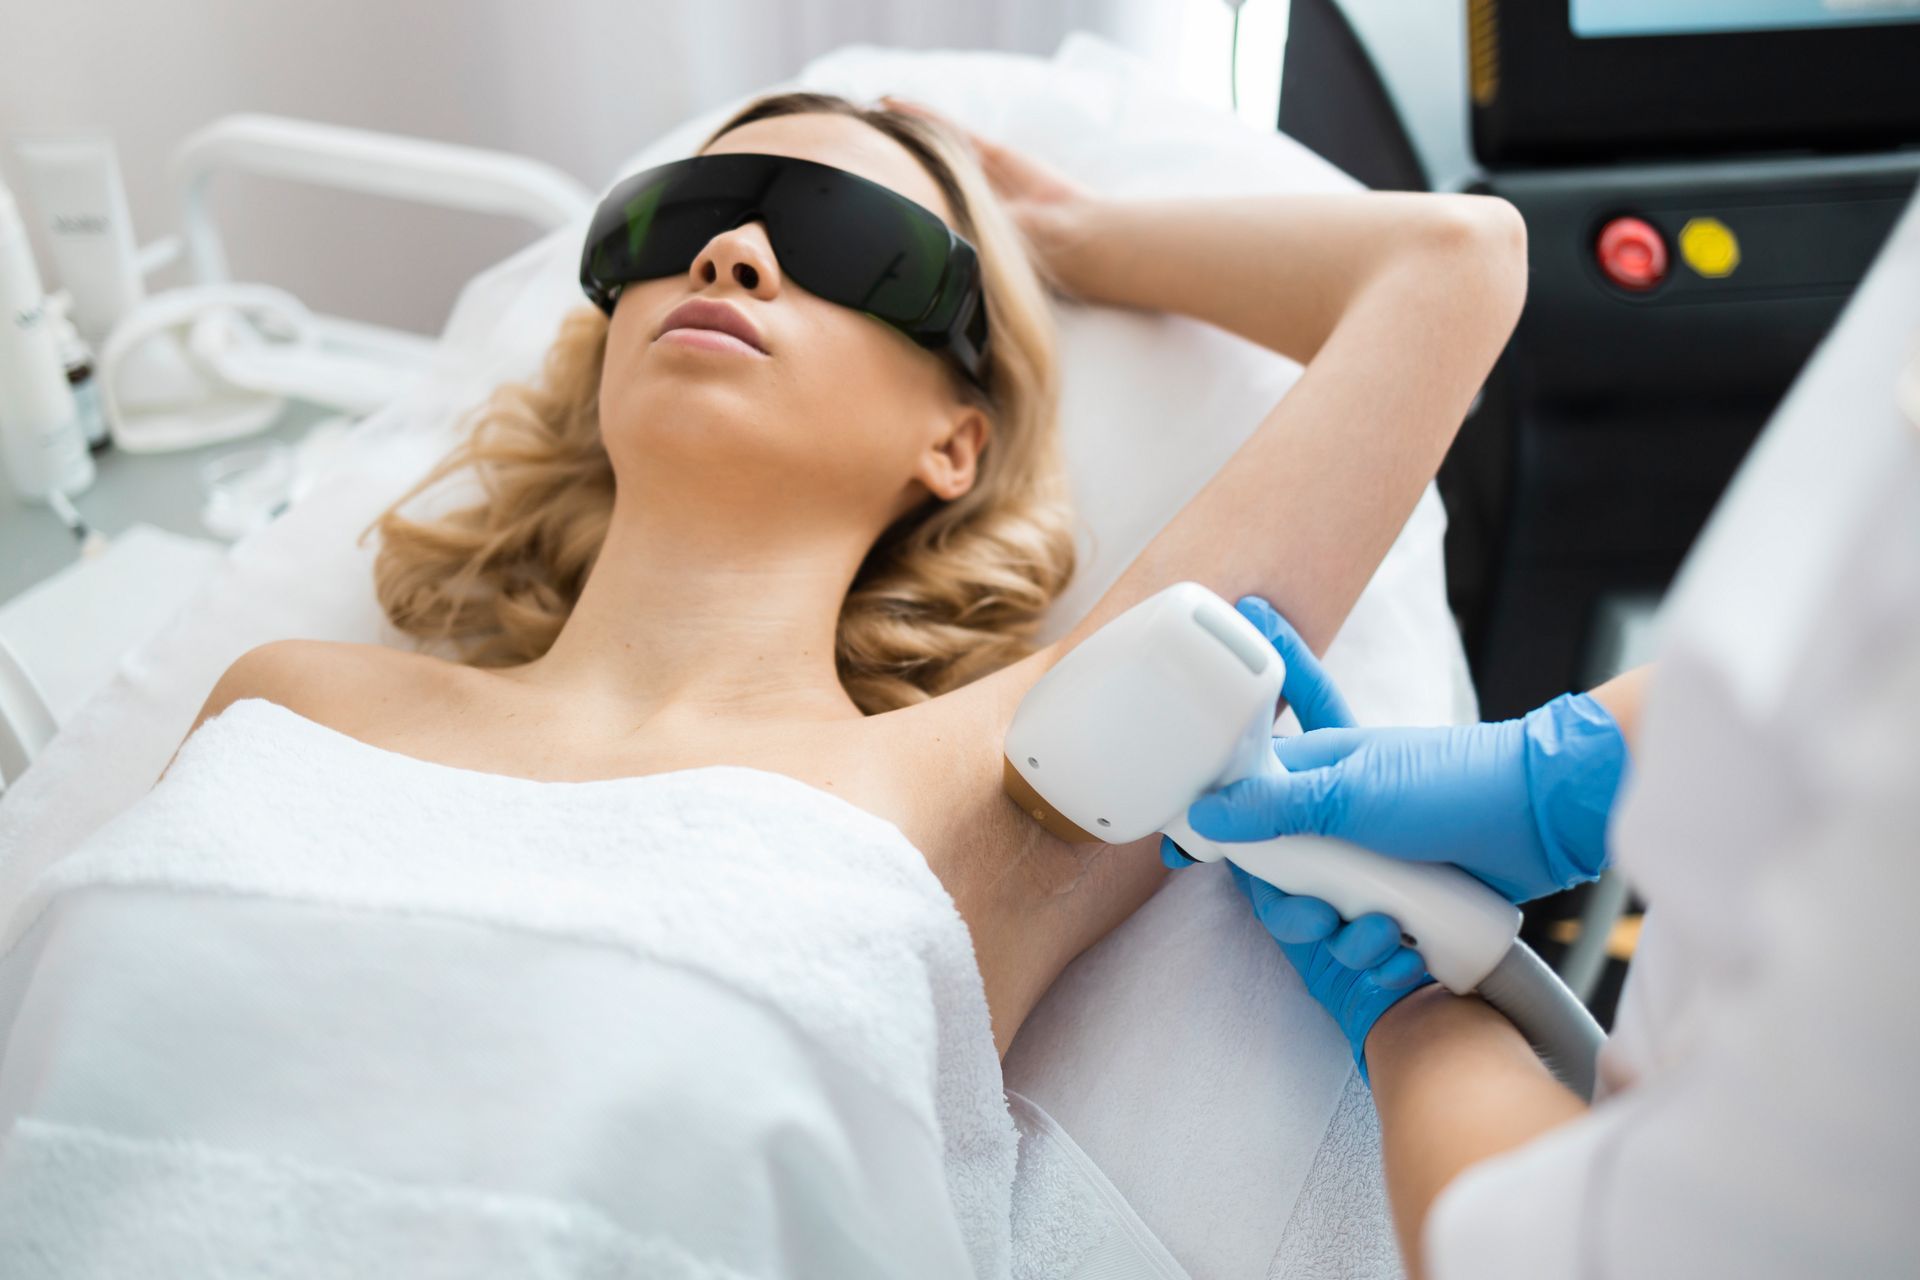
(689, 624)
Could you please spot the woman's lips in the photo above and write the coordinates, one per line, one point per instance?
(710, 339)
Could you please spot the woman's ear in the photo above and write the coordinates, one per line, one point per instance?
(950, 465)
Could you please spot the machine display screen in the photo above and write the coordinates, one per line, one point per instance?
(1602, 18)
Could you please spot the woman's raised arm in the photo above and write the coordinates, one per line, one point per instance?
(1398, 304)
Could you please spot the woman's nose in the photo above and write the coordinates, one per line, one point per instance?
(744, 255)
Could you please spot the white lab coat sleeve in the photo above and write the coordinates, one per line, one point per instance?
(1779, 1136)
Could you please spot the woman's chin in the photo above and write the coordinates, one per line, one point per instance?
(699, 443)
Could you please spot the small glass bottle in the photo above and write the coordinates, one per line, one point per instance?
(77, 357)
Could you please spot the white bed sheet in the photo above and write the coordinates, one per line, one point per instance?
(1181, 1053)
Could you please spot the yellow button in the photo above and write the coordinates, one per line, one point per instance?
(1709, 247)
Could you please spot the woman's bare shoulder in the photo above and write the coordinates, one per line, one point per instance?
(324, 680)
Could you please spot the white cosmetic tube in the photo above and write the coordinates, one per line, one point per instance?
(40, 435)
(74, 183)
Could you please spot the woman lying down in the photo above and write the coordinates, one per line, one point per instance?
(679, 927)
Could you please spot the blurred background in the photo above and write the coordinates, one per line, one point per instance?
(580, 85)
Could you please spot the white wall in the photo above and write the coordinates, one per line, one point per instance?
(581, 84)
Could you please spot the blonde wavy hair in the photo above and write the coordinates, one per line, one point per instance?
(949, 592)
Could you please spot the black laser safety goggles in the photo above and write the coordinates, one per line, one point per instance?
(836, 234)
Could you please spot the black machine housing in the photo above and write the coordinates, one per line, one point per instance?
(1615, 418)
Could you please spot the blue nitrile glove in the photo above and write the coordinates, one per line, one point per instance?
(1372, 941)
(1344, 988)
(1522, 804)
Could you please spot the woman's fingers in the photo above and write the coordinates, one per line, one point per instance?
(1018, 178)
(984, 149)
(911, 107)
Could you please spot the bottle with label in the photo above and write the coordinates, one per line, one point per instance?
(41, 443)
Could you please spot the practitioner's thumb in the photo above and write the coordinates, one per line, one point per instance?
(1284, 804)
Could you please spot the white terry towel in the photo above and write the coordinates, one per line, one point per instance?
(312, 1008)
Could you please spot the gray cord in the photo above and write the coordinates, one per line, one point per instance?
(1554, 1022)
(1587, 958)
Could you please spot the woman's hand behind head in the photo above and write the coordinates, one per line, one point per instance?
(1043, 202)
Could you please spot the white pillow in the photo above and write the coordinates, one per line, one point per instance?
(1153, 405)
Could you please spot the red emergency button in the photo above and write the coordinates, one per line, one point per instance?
(1632, 253)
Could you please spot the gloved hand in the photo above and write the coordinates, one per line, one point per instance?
(1371, 942)
(1337, 972)
(1522, 804)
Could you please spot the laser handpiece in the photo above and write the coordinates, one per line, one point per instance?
(1177, 697)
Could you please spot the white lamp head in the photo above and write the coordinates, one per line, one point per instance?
(1172, 698)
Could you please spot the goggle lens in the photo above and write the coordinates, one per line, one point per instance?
(837, 235)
